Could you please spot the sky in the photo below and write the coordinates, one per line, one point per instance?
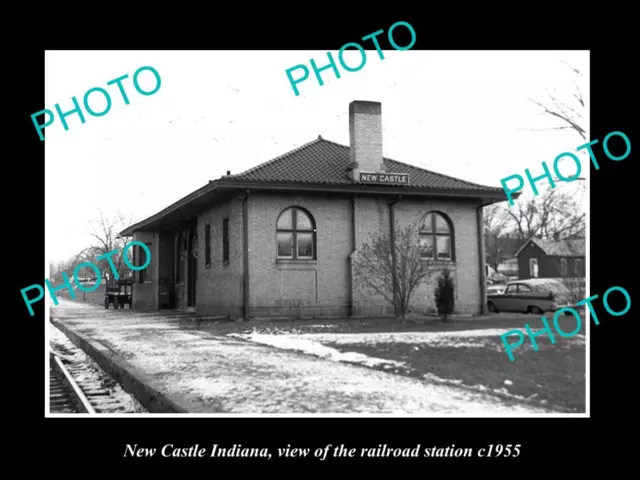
(463, 114)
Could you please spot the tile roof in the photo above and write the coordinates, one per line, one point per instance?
(325, 162)
(559, 248)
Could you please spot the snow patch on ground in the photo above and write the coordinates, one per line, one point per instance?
(296, 343)
(480, 388)
(460, 338)
(416, 337)
(183, 337)
(467, 338)
(74, 303)
(138, 326)
(580, 339)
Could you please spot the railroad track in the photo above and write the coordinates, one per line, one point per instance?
(65, 395)
(79, 385)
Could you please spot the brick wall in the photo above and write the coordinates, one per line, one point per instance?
(371, 217)
(321, 288)
(145, 295)
(219, 287)
(466, 268)
(313, 288)
(365, 135)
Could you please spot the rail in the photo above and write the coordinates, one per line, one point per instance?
(74, 394)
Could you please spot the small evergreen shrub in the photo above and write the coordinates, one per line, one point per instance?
(444, 294)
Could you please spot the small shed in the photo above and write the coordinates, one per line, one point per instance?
(539, 258)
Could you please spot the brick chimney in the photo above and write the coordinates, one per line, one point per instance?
(365, 134)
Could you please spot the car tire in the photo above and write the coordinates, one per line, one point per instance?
(492, 307)
(535, 310)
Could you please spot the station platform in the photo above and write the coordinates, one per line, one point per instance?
(173, 365)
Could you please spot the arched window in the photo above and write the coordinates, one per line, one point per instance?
(296, 235)
(436, 237)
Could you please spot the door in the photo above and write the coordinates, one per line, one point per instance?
(192, 268)
(166, 273)
(533, 268)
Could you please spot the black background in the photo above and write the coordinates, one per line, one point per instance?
(93, 448)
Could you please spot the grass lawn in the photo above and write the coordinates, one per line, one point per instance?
(554, 376)
(465, 353)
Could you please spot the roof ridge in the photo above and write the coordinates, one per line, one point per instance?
(420, 168)
(443, 175)
(273, 160)
(553, 240)
(550, 242)
(464, 184)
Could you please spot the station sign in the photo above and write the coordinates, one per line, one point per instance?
(384, 178)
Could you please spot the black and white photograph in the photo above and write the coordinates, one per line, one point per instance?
(225, 237)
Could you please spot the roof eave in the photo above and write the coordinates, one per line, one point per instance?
(497, 194)
(494, 196)
(129, 231)
(524, 245)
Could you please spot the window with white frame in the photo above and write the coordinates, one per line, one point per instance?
(296, 235)
(436, 237)
(564, 270)
(578, 267)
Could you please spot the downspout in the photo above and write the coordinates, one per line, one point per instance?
(392, 242)
(481, 256)
(174, 266)
(353, 249)
(245, 256)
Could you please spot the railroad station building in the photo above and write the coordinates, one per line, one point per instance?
(279, 240)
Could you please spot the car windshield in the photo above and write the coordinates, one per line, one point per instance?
(551, 286)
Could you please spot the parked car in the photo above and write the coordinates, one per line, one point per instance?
(534, 295)
(497, 278)
(495, 288)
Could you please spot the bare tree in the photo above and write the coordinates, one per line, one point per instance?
(68, 267)
(554, 214)
(374, 267)
(573, 273)
(54, 268)
(106, 232)
(496, 224)
(568, 114)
